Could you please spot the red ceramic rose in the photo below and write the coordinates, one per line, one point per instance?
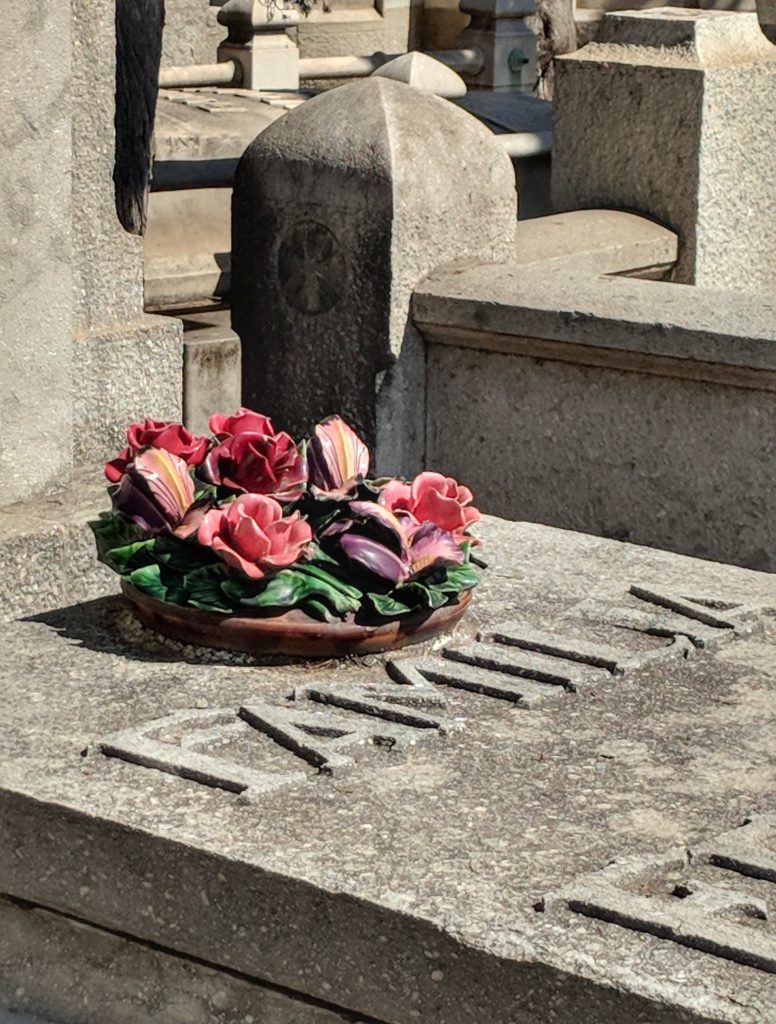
(170, 437)
(258, 464)
(433, 498)
(244, 421)
(252, 535)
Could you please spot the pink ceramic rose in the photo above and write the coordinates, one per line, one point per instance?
(165, 435)
(252, 535)
(433, 498)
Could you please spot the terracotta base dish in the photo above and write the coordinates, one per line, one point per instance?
(292, 633)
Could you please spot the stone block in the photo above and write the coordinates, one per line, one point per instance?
(669, 113)
(125, 375)
(108, 272)
(35, 250)
(331, 233)
(417, 886)
(191, 32)
(211, 369)
(48, 550)
(605, 422)
(76, 974)
(498, 29)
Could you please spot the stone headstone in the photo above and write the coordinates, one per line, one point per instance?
(424, 73)
(340, 208)
(670, 113)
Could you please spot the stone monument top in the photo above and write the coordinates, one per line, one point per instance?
(677, 36)
(545, 823)
(424, 73)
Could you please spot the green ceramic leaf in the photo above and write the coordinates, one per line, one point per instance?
(388, 606)
(112, 530)
(132, 556)
(149, 579)
(330, 580)
(183, 556)
(205, 588)
(292, 586)
(318, 610)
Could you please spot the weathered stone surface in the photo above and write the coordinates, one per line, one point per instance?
(35, 249)
(407, 888)
(211, 368)
(597, 241)
(124, 375)
(565, 363)
(361, 27)
(332, 231)
(123, 364)
(48, 550)
(200, 136)
(77, 974)
(191, 32)
(424, 73)
(668, 113)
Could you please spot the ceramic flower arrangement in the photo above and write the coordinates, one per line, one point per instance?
(248, 521)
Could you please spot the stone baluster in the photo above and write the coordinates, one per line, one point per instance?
(508, 46)
(258, 43)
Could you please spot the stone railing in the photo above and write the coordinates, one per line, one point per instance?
(497, 50)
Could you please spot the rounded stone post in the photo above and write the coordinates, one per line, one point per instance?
(340, 208)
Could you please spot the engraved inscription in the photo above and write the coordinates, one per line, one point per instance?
(712, 612)
(523, 692)
(170, 744)
(583, 652)
(327, 740)
(324, 726)
(749, 850)
(712, 916)
(311, 269)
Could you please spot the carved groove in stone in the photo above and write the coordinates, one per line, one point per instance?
(326, 740)
(356, 698)
(749, 850)
(523, 692)
(139, 746)
(702, 928)
(665, 625)
(716, 613)
(543, 668)
(701, 915)
(596, 655)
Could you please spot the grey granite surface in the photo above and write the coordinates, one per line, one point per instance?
(418, 884)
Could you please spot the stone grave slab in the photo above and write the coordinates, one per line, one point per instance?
(562, 813)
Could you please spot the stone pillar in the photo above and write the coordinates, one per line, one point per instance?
(126, 365)
(340, 208)
(36, 292)
(508, 46)
(671, 113)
